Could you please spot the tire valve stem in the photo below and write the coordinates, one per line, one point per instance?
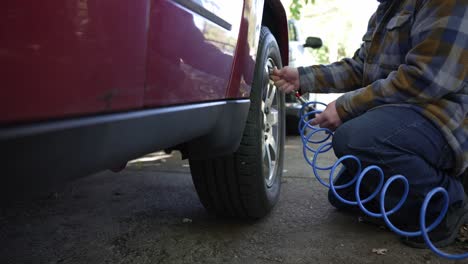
(270, 70)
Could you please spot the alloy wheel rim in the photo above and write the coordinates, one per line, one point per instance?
(270, 110)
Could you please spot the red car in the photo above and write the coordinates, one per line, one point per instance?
(88, 85)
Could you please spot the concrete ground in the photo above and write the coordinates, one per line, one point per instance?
(150, 213)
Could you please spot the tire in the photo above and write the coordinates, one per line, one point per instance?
(246, 184)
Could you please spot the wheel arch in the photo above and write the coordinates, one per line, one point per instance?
(274, 17)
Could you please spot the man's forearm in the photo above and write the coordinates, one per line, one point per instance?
(338, 77)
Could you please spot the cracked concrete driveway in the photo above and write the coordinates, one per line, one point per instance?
(150, 213)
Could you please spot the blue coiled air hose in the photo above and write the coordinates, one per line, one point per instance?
(325, 145)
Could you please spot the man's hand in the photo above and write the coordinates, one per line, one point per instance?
(286, 79)
(329, 118)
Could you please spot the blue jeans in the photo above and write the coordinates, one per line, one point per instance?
(400, 141)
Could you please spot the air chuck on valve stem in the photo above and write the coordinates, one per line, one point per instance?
(297, 93)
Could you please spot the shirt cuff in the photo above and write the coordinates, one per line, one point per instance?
(306, 79)
(342, 108)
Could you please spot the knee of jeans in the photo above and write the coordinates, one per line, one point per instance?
(340, 141)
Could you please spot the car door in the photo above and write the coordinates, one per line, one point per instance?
(191, 50)
(67, 58)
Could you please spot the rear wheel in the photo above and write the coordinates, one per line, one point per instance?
(247, 183)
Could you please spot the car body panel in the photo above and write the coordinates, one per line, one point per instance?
(63, 58)
(89, 84)
(191, 50)
(246, 50)
(81, 57)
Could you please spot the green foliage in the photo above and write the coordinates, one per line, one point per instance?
(296, 6)
(341, 51)
(322, 55)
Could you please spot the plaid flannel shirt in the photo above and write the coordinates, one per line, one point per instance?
(414, 54)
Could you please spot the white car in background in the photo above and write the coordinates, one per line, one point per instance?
(298, 56)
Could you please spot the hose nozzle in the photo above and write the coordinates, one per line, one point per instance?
(300, 98)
